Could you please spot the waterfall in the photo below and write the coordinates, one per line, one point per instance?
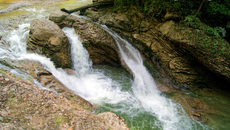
(141, 95)
(80, 56)
(170, 114)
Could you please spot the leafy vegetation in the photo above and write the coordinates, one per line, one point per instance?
(208, 38)
(194, 22)
(206, 22)
(213, 13)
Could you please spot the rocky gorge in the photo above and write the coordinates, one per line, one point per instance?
(174, 61)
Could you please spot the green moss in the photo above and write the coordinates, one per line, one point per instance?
(85, 43)
(44, 49)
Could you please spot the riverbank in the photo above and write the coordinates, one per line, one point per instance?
(24, 105)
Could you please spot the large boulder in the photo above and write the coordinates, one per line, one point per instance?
(47, 38)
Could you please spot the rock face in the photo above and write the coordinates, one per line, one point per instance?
(165, 46)
(47, 38)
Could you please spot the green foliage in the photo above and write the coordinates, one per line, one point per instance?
(195, 22)
(44, 49)
(85, 43)
(216, 13)
(108, 128)
(148, 6)
(192, 21)
(216, 7)
(213, 44)
(220, 31)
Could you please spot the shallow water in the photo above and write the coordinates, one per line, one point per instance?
(218, 104)
(4, 3)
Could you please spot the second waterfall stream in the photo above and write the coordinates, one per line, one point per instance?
(136, 100)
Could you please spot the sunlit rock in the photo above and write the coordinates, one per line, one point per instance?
(47, 38)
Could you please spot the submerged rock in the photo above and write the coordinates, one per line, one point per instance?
(194, 107)
(47, 38)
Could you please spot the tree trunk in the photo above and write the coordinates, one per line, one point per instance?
(88, 6)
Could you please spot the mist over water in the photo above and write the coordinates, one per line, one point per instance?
(140, 96)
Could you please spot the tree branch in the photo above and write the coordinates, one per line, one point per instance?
(88, 6)
(199, 8)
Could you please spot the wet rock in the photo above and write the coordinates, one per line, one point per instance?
(50, 82)
(48, 39)
(196, 104)
(184, 63)
(194, 107)
(70, 72)
(101, 46)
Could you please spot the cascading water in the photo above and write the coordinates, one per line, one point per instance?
(79, 54)
(170, 114)
(140, 97)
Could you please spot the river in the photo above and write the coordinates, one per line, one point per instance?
(135, 99)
